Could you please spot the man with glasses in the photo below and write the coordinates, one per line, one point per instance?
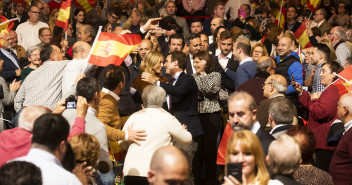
(27, 32)
(45, 36)
(338, 37)
(18, 49)
(11, 66)
(320, 17)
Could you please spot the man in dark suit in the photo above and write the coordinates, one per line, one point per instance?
(11, 66)
(280, 116)
(291, 23)
(341, 162)
(182, 100)
(195, 45)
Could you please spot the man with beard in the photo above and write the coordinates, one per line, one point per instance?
(288, 64)
(242, 115)
(194, 43)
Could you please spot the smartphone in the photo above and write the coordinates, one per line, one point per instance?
(235, 170)
(293, 78)
(242, 12)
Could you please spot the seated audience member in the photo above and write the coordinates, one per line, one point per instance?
(209, 83)
(275, 87)
(342, 159)
(11, 69)
(258, 50)
(254, 86)
(280, 116)
(9, 93)
(283, 159)
(338, 39)
(168, 164)
(45, 36)
(20, 173)
(247, 68)
(160, 126)
(322, 108)
(306, 141)
(33, 54)
(242, 146)
(196, 26)
(16, 48)
(86, 148)
(89, 88)
(50, 132)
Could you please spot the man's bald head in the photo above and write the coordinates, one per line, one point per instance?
(216, 22)
(344, 109)
(275, 84)
(168, 164)
(144, 48)
(28, 115)
(80, 50)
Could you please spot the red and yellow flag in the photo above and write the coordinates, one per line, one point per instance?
(64, 14)
(344, 86)
(85, 5)
(24, 2)
(7, 24)
(281, 17)
(111, 48)
(302, 36)
(313, 4)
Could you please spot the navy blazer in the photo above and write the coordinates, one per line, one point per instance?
(8, 68)
(184, 102)
(227, 78)
(265, 139)
(189, 66)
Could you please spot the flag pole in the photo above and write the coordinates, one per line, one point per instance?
(91, 49)
(66, 35)
(342, 78)
(282, 1)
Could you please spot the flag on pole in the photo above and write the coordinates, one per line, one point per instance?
(64, 14)
(302, 36)
(85, 5)
(313, 4)
(281, 17)
(7, 24)
(345, 80)
(111, 48)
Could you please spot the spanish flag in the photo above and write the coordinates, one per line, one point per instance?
(64, 14)
(111, 48)
(281, 17)
(344, 81)
(7, 24)
(302, 36)
(313, 4)
(85, 5)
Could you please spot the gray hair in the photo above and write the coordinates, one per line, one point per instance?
(153, 96)
(281, 109)
(90, 29)
(263, 65)
(277, 83)
(342, 32)
(284, 156)
(28, 115)
(31, 49)
(241, 95)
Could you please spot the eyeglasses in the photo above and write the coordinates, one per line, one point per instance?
(264, 84)
(35, 12)
(332, 33)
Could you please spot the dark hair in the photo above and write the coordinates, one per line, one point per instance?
(40, 32)
(87, 87)
(215, 34)
(113, 76)
(316, 31)
(245, 46)
(324, 49)
(50, 130)
(177, 36)
(294, 7)
(248, 7)
(76, 12)
(204, 55)
(20, 173)
(195, 20)
(334, 67)
(46, 51)
(308, 143)
(324, 12)
(180, 57)
(192, 36)
(349, 60)
(69, 162)
(225, 35)
(113, 10)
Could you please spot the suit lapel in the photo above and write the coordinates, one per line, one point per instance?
(179, 79)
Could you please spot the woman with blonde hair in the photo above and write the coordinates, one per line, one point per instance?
(152, 64)
(244, 147)
(52, 19)
(258, 50)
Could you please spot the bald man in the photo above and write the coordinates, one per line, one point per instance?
(144, 48)
(215, 23)
(168, 166)
(265, 67)
(341, 161)
(16, 48)
(275, 86)
(80, 51)
(247, 68)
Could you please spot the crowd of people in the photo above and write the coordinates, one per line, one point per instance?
(216, 93)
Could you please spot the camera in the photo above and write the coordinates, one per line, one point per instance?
(71, 102)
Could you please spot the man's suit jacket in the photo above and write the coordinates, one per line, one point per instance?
(265, 139)
(184, 102)
(286, 180)
(278, 131)
(182, 22)
(227, 78)
(8, 72)
(189, 66)
(294, 28)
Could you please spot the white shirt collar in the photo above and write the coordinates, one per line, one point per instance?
(277, 126)
(246, 60)
(107, 91)
(177, 75)
(255, 127)
(347, 126)
(228, 56)
(92, 110)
